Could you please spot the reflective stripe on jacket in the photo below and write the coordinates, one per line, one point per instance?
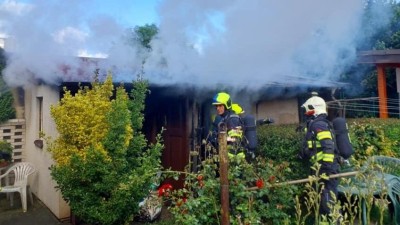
(320, 141)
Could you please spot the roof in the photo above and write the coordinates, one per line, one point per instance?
(388, 57)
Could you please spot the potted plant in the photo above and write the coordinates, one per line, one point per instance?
(6, 150)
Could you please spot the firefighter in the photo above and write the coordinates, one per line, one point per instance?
(250, 124)
(223, 105)
(319, 147)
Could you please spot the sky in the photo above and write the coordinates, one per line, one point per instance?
(207, 43)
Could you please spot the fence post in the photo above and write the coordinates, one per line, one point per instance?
(223, 173)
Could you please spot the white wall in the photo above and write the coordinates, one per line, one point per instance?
(282, 111)
(42, 185)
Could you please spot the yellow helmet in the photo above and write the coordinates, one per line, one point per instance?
(315, 106)
(237, 108)
(222, 98)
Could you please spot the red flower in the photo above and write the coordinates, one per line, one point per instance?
(260, 183)
(200, 177)
(164, 190)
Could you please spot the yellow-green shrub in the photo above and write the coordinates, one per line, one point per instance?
(374, 136)
(104, 167)
(81, 120)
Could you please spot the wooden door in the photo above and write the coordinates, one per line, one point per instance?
(176, 152)
(169, 113)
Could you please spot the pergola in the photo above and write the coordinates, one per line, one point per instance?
(382, 59)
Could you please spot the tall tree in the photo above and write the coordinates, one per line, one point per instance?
(381, 30)
(142, 35)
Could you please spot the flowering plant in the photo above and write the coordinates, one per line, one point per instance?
(199, 201)
(164, 190)
(260, 183)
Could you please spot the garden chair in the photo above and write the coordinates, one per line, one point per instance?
(386, 169)
(18, 173)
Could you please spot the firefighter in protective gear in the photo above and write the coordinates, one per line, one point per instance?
(223, 104)
(319, 147)
(237, 109)
(249, 140)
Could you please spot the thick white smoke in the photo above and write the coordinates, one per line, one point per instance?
(261, 41)
(205, 43)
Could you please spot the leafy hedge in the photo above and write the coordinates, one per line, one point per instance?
(371, 136)
(281, 143)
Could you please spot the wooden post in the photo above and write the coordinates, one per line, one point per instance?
(223, 173)
(382, 93)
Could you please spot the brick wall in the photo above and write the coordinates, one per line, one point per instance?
(13, 131)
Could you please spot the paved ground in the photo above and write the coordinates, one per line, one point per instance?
(37, 214)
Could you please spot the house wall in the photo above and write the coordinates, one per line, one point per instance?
(284, 111)
(42, 185)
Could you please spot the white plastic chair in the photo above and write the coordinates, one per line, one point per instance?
(21, 171)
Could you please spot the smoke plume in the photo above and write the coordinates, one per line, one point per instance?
(205, 43)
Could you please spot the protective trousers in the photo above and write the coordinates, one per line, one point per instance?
(330, 187)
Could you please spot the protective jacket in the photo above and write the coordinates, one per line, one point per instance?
(319, 145)
(234, 127)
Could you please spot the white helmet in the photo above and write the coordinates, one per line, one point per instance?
(315, 106)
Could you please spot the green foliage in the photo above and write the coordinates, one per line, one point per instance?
(368, 136)
(282, 143)
(2, 59)
(7, 110)
(251, 202)
(6, 151)
(142, 35)
(374, 137)
(199, 201)
(104, 167)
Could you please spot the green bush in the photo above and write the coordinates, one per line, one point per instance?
(251, 200)
(199, 201)
(6, 151)
(281, 143)
(374, 136)
(103, 165)
(369, 137)
(7, 110)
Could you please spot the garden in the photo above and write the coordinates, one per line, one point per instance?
(261, 192)
(104, 176)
